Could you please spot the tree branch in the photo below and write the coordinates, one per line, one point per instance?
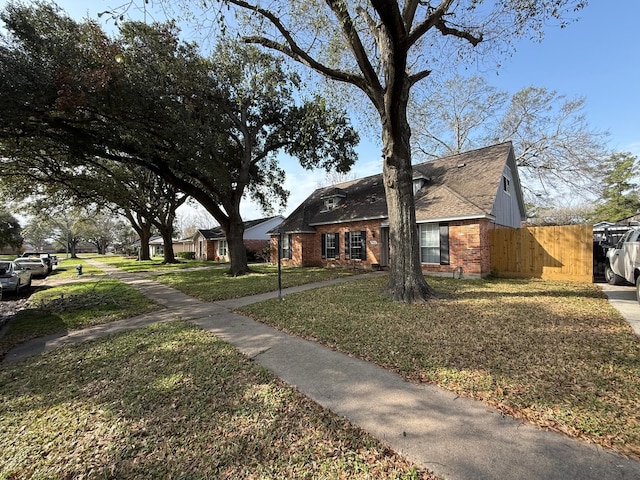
(436, 19)
(368, 83)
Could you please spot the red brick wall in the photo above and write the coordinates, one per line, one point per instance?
(306, 248)
(469, 247)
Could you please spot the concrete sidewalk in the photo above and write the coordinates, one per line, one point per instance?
(455, 437)
(623, 298)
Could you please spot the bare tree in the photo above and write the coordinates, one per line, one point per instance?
(555, 147)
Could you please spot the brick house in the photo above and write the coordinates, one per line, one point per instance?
(458, 199)
(211, 244)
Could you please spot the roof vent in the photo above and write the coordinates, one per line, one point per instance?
(460, 165)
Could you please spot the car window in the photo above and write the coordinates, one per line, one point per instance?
(4, 265)
(624, 239)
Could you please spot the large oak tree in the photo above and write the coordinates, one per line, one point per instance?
(384, 48)
(210, 127)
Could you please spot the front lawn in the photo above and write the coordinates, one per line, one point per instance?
(173, 401)
(74, 306)
(131, 264)
(556, 354)
(213, 285)
(67, 268)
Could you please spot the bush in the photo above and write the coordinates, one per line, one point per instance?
(187, 255)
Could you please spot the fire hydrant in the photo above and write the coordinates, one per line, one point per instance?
(79, 269)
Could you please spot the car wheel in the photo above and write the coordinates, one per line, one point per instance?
(611, 277)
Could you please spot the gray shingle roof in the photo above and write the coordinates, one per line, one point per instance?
(458, 186)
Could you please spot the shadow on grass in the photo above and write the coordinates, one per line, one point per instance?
(170, 400)
(556, 354)
(28, 324)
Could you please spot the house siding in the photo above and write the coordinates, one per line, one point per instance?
(506, 209)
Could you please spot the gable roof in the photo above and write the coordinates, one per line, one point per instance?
(217, 233)
(456, 187)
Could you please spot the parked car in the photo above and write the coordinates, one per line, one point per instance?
(44, 256)
(623, 261)
(14, 277)
(37, 266)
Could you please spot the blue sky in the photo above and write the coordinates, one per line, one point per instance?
(597, 58)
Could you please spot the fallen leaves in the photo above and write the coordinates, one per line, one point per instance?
(553, 353)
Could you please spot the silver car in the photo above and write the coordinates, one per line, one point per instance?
(14, 277)
(37, 266)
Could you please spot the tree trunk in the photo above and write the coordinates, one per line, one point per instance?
(167, 239)
(72, 248)
(145, 238)
(237, 250)
(406, 281)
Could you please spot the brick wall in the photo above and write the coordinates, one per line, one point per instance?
(469, 247)
(306, 248)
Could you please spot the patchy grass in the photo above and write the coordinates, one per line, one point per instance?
(213, 285)
(67, 268)
(129, 264)
(74, 306)
(556, 354)
(173, 401)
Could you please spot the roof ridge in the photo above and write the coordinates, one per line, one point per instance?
(466, 152)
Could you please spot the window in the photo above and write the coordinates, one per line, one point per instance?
(355, 245)
(223, 248)
(506, 184)
(329, 204)
(429, 243)
(330, 244)
(285, 246)
(434, 243)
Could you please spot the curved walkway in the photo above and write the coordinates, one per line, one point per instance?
(455, 437)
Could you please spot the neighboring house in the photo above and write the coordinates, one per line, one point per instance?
(211, 244)
(156, 246)
(458, 200)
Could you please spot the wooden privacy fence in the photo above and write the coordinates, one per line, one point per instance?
(551, 253)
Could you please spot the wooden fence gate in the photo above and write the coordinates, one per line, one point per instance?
(552, 253)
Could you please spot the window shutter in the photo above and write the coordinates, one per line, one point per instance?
(347, 247)
(337, 234)
(444, 244)
(290, 247)
(324, 245)
(363, 236)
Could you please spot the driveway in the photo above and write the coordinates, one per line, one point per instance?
(623, 298)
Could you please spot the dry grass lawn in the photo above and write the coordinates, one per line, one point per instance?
(173, 401)
(555, 354)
